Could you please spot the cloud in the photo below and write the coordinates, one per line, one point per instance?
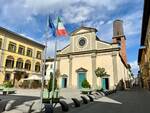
(61, 43)
(29, 16)
(134, 67)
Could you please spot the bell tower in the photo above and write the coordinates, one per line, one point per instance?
(119, 37)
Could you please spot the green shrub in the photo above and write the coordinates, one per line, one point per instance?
(8, 84)
(85, 84)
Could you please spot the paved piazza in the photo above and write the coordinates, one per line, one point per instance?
(130, 101)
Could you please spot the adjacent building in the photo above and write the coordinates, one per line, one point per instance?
(20, 57)
(49, 68)
(144, 51)
(86, 52)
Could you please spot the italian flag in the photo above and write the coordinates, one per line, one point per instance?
(60, 30)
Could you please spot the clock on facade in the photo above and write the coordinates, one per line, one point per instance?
(82, 41)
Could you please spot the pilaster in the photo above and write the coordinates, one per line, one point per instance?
(94, 78)
(70, 71)
(115, 72)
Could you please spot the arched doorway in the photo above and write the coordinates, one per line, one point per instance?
(81, 75)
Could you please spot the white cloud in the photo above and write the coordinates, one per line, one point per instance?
(94, 13)
(73, 10)
(76, 14)
(134, 67)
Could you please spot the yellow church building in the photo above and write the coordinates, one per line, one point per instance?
(20, 57)
(86, 52)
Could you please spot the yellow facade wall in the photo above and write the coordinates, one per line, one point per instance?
(6, 39)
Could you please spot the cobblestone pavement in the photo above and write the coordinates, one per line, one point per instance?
(131, 101)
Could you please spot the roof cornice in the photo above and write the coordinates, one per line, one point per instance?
(22, 37)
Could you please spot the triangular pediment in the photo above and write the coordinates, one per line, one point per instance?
(83, 30)
(81, 69)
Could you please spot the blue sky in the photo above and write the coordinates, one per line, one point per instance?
(28, 17)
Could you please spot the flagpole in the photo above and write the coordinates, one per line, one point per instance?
(54, 71)
(44, 62)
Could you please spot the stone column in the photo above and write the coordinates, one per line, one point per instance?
(115, 72)
(70, 71)
(94, 78)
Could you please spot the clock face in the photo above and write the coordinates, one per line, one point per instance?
(82, 41)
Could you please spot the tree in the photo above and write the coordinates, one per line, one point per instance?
(100, 72)
(85, 84)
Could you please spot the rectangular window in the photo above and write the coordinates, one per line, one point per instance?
(38, 55)
(21, 50)
(12, 47)
(0, 43)
(51, 66)
(29, 52)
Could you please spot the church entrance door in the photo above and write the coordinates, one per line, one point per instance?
(81, 77)
(64, 82)
(105, 83)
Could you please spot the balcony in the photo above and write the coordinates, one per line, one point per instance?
(9, 69)
(19, 70)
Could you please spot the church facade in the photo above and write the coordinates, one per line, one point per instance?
(86, 52)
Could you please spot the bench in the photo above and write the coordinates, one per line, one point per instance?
(8, 91)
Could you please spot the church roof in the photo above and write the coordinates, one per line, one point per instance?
(89, 29)
(102, 40)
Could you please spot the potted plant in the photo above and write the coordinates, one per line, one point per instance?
(85, 86)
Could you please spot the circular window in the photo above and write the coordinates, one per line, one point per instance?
(82, 41)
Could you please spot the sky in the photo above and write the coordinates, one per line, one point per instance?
(29, 18)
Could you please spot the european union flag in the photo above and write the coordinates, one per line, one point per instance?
(52, 26)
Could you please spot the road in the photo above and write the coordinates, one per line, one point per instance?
(19, 98)
(130, 101)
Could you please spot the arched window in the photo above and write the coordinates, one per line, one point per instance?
(19, 63)
(37, 67)
(28, 65)
(9, 62)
